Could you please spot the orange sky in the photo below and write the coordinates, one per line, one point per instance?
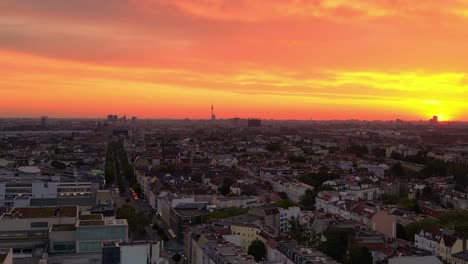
(282, 59)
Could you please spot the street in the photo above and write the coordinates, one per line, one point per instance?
(170, 247)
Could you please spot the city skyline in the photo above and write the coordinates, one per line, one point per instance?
(320, 60)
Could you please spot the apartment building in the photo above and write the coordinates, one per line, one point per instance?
(9, 191)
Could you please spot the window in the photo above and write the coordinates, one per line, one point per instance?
(90, 246)
(64, 246)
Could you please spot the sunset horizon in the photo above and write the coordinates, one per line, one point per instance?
(234, 131)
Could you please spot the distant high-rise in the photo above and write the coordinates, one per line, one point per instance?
(112, 118)
(434, 120)
(44, 121)
(253, 122)
(213, 116)
(235, 121)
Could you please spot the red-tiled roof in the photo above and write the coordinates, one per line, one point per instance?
(386, 249)
(449, 240)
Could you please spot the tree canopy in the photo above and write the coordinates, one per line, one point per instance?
(336, 245)
(360, 255)
(197, 177)
(457, 220)
(58, 165)
(225, 213)
(257, 249)
(225, 188)
(298, 231)
(136, 220)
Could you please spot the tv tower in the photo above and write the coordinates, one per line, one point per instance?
(213, 116)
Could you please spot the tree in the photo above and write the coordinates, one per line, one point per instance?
(360, 255)
(225, 188)
(273, 146)
(285, 204)
(136, 220)
(410, 204)
(308, 200)
(397, 170)
(317, 179)
(58, 165)
(249, 190)
(297, 231)
(257, 249)
(401, 232)
(156, 226)
(109, 172)
(461, 177)
(358, 150)
(177, 258)
(379, 152)
(283, 195)
(389, 199)
(297, 159)
(429, 195)
(336, 245)
(197, 177)
(435, 168)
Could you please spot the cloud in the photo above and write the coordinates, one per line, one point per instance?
(361, 52)
(337, 10)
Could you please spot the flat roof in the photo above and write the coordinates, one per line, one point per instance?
(92, 223)
(241, 219)
(59, 228)
(190, 212)
(45, 212)
(91, 217)
(113, 222)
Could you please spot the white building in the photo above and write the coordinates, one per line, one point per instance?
(266, 174)
(10, 190)
(286, 215)
(226, 160)
(132, 253)
(364, 192)
(236, 201)
(293, 189)
(428, 239)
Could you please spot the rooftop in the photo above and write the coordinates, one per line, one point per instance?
(113, 222)
(92, 223)
(415, 260)
(44, 212)
(461, 255)
(241, 219)
(190, 212)
(61, 228)
(3, 257)
(91, 217)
